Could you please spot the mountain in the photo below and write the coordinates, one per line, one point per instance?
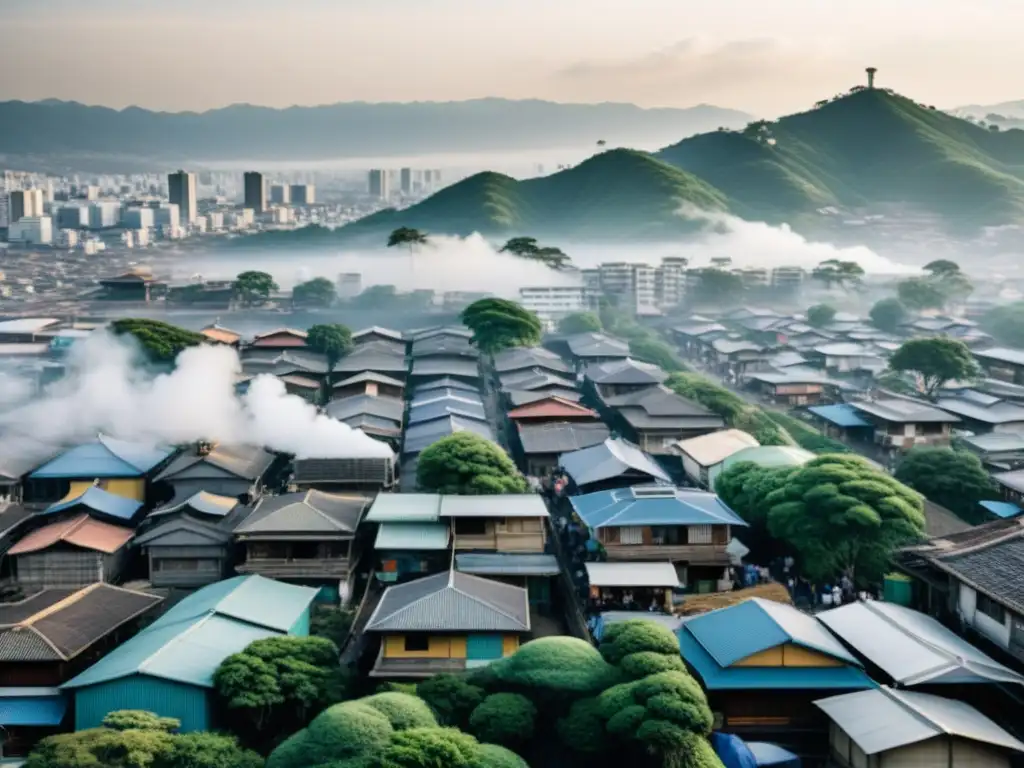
(246, 132)
(1010, 109)
(867, 148)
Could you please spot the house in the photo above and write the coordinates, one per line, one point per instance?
(733, 357)
(689, 337)
(424, 434)
(619, 377)
(14, 519)
(584, 349)
(789, 387)
(551, 409)
(902, 424)
(189, 543)
(225, 470)
(1011, 484)
(541, 444)
(887, 727)
(279, 338)
(411, 540)
(300, 362)
(532, 571)
(998, 451)
(842, 421)
(218, 334)
(448, 622)
(703, 456)
(96, 503)
(445, 346)
(615, 463)
(624, 585)
(373, 357)
(168, 667)
(848, 357)
(122, 468)
(379, 416)
(444, 382)
(687, 527)
(763, 664)
(769, 456)
(656, 418)
(370, 384)
(519, 359)
(134, 285)
(440, 403)
(377, 333)
(982, 413)
(71, 553)
(1002, 363)
(304, 537)
(519, 397)
(301, 386)
(505, 523)
(457, 367)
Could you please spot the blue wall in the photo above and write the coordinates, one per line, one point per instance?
(189, 704)
(301, 627)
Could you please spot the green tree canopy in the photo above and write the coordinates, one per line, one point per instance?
(318, 292)
(332, 340)
(529, 248)
(942, 268)
(253, 288)
(1006, 323)
(955, 479)
(579, 322)
(346, 735)
(452, 697)
(888, 314)
(935, 361)
(838, 272)
(432, 748)
(821, 315)
(140, 720)
(712, 396)
(654, 350)
(208, 750)
(469, 464)
(160, 341)
(521, 246)
(407, 237)
(506, 719)
(921, 293)
(715, 288)
(641, 647)
(842, 514)
(499, 324)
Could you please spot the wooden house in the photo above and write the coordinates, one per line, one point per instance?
(71, 553)
(279, 338)
(620, 377)
(790, 388)
(370, 384)
(1002, 363)
(223, 470)
(704, 456)
(656, 418)
(448, 622)
(540, 445)
(903, 424)
(505, 523)
(411, 540)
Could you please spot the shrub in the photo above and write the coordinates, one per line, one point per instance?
(504, 718)
(635, 636)
(493, 756)
(402, 710)
(451, 697)
(555, 669)
(645, 663)
(350, 731)
(432, 748)
(582, 730)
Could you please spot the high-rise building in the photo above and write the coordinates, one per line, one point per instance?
(406, 181)
(19, 204)
(104, 214)
(280, 194)
(302, 194)
(73, 217)
(380, 184)
(31, 230)
(255, 191)
(181, 190)
(167, 216)
(670, 281)
(138, 218)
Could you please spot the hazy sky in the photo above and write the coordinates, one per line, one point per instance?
(764, 57)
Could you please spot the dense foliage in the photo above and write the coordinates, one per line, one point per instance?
(529, 248)
(506, 719)
(253, 288)
(408, 237)
(318, 292)
(736, 411)
(654, 350)
(1006, 324)
(469, 464)
(954, 479)
(935, 361)
(498, 324)
(887, 314)
(821, 315)
(579, 322)
(837, 272)
(332, 340)
(715, 288)
(806, 436)
(160, 341)
(452, 697)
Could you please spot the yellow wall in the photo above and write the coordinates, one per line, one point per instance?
(509, 645)
(788, 655)
(129, 488)
(78, 487)
(441, 647)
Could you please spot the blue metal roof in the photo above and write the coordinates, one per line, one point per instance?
(1003, 509)
(610, 459)
(101, 501)
(841, 415)
(104, 457)
(188, 643)
(739, 631)
(448, 406)
(717, 678)
(46, 710)
(653, 505)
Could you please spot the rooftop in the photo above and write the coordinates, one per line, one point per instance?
(1001, 355)
(553, 408)
(612, 458)
(248, 462)
(652, 506)
(81, 531)
(202, 502)
(994, 412)
(504, 505)
(311, 512)
(632, 575)
(97, 500)
(405, 508)
(104, 457)
(560, 437)
(906, 412)
(412, 536)
(506, 564)
(627, 371)
(708, 450)
(592, 344)
(842, 415)
(424, 434)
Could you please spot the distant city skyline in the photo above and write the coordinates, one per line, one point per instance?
(765, 58)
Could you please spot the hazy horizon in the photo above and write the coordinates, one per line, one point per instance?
(740, 54)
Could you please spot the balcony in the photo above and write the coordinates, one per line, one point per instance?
(297, 568)
(693, 554)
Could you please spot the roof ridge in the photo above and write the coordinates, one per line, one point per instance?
(900, 699)
(141, 667)
(486, 604)
(409, 605)
(45, 639)
(932, 646)
(74, 597)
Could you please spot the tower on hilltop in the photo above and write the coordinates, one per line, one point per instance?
(871, 76)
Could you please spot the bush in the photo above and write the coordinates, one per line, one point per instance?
(555, 669)
(139, 719)
(402, 710)
(493, 756)
(208, 750)
(350, 731)
(504, 718)
(432, 748)
(806, 436)
(582, 730)
(646, 663)
(625, 638)
(451, 697)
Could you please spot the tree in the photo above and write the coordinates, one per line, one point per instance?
(432, 748)
(407, 237)
(954, 479)
(506, 719)
(640, 648)
(888, 314)
(529, 248)
(942, 268)
(499, 324)
(318, 292)
(935, 361)
(921, 293)
(820, 315)
(467, 463)
(140, 720)
(208, 750)
(654, 350)
(1006, 323)
(579, 322)
(253, 288)
(452, 697)
(332, 340)
(843, 515)
(161, 342)
(716, 287)
(712, 396)
(402, 710)
(838, 272)
(346, 734)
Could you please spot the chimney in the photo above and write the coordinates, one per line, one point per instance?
(203, 448)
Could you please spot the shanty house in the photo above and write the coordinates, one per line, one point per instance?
(370, 384)
(411, 540)
(788, 387)
(373, 357)
(636, 585)
(903, 424)
(1002, 363)
(224, 470)
(96, 503)
(584, 349)
(614, 463)
(448, 622)
(280, 338)
(71, 553)
(519, 359)
(656, 418)
(704, 456)
(620, 377)
(982, 413)
(168, 667)
(541, 444)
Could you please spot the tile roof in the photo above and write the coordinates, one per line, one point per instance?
(311, 512)
(905, 411)
(612, 458)
(248, 462)
(560, 437)
(593, 344)
(81, 531)
(652, 505)
(708, 450)
(627, 371)
(100, 501)
(59, 624)
(452, 602)
(391, 408)
(104, 457)
(553, 408)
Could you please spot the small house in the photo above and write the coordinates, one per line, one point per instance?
(551, 409)
(426, 433)
(842, 421)
(217, 334)
(168, 667)
(789, 388)
(379, 416)
(982, 413)
(644, 586)
(71, 553)
(224, 470)
(370, 384)
(1002, 363)
(373, 357)
(541, 444)
(998, 451)
(377, 333)
(518, 359)
(584, 349)
(514, 523)
(411, 539)
(448, 622)
(615, 463)
(703, 456)
(903, 424)
(134, 285)
(620, 377)
(848, 357)
(733, 357)
(279, 338)
(656, 418)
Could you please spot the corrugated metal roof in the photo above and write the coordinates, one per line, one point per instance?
(1002, 509)
(444, 407)
(189, 642)
(98, 500)
(653, 505)
(552, 407)
(626, 371)
(594, 344)
(249, 462)
(81, 531)
(412, 536)
(842, 415)
(405, 508)
(912, 648)
(518, 397)
(104, 457)
(452, 602)
(312, 511)
(506, 564)
(632, 575)
(906, 412)
(445, 366)
(560, 437)
(504, 505)
(41, 710)
(771, 456)
(365, 376)
(445, 382)
(425, 434)
(203, 502)
(27, 324)
(708, 450)
(734, 633)
(610, 459)
(884, 719)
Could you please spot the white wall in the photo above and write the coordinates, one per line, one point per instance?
(998, 633)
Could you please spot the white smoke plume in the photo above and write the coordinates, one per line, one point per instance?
(107, 391)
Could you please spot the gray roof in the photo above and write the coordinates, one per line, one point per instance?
(439, 330)
(444, 382)
(379, 378)
(446, 346)
(312, 513)
(519, 358)
(626, 371)
(732, 346)
(446, 366)
(593, 344)
(390, 408)
(416, 537)
(998, 412)
(654, 574)
(699, 329)
(506, 564)
(997, 442)
(358, 361)
(535, 379)
(245, 461)
(376, 330)
(911, 647)
(1001, 355)
(1013, 480)
(883, 719)
(256, 360)
(659, 407)
(519, 397)
(560, 437)
(452, 602)
(503, 505)
(419, 436)
(202, 502)
(405, 508)
(906, 411)
(608, 460)
(846, 349)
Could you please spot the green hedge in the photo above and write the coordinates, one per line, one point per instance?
(806, 436)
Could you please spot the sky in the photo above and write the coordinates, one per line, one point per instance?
(767, 58)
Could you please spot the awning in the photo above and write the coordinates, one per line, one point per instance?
(32, 709)
(504, 564)
(661, 574)
(412, 536)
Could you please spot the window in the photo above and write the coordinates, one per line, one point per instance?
(631, 535)
(417, 643)
(184, 564)
(699, 534)
(667, 535)
(991, 608)
(470, 526)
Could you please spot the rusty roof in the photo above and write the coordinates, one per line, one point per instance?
(81, 531)
(552, 407)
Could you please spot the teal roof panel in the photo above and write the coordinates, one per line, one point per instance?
(653, 505)
(101, 501)
(412, 536)
(104, 457)
(405, 508)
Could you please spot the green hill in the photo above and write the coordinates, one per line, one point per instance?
(868, 147)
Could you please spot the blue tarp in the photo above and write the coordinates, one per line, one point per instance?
(32, 710)
(1001, 509)
(732, 751)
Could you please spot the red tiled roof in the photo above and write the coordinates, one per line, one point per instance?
(81, 531)
(551, 408)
